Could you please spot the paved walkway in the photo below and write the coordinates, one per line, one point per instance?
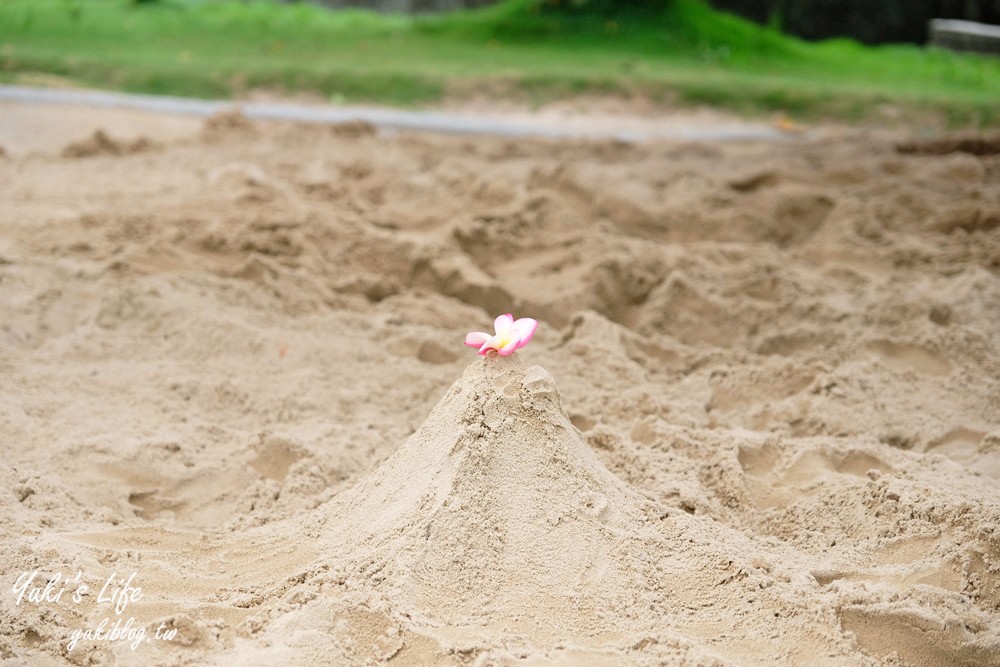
(389, 119)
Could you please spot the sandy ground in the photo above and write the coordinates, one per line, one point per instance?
(759, 423)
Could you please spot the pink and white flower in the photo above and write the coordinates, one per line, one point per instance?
(510, 335)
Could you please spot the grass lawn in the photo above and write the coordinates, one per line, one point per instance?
(687, 53)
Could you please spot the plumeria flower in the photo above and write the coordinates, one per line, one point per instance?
(510, 335)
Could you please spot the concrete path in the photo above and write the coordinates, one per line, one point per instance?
(391, 119)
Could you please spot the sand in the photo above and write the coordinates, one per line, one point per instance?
(759, 423)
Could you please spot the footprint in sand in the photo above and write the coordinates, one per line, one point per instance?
(775, 483)
(908, 357)
(274, 458)
(920, 640)
(970, 448)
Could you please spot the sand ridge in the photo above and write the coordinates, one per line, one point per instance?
(766, 431)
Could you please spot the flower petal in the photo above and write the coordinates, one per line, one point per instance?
(525, 328)
(492, 344)
(476, 338)
(504, 324)
(512, 344)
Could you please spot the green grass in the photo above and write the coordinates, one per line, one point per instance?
(687, 53)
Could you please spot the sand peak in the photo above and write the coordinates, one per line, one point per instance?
(495, 496)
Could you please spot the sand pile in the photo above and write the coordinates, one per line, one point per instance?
(102, 144)
(496, 507)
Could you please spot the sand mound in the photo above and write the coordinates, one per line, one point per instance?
(974, 145)
(231, 125)
(353, 129)
(100, 143)
(494, 505)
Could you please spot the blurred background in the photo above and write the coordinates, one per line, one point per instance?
(847, 60)
(868, 21)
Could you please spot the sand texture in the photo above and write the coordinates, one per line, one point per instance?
(759, 423)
